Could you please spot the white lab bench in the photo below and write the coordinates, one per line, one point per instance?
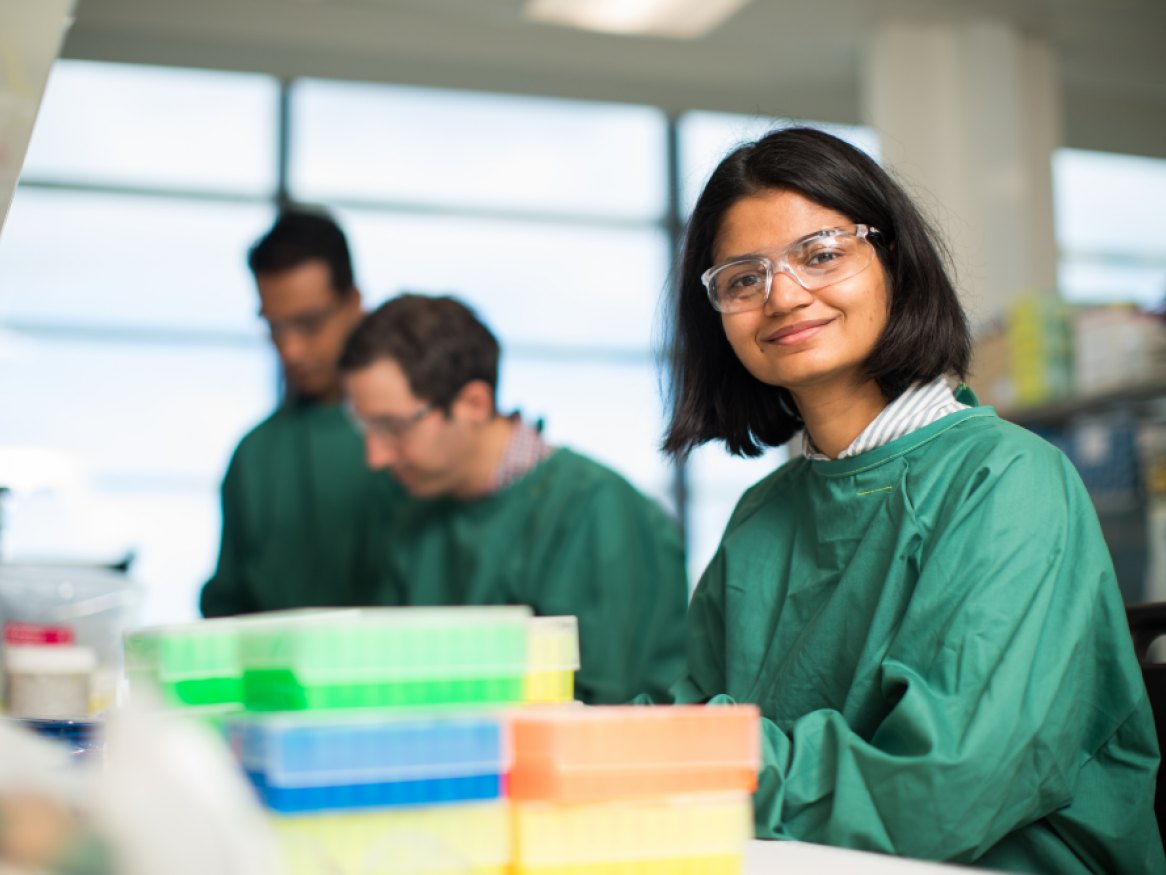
(802, 858)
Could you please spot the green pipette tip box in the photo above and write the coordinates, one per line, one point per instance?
(387, 657)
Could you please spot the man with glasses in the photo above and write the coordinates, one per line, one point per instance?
(497, 516)
(298, 502)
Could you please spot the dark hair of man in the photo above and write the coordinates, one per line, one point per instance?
(713, 396)
(438, 343)
(299, 236)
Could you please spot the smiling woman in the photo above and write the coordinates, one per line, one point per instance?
(922, 605)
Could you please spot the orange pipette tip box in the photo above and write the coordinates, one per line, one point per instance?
(620, 752)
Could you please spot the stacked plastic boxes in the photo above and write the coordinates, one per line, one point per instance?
(633, 791)
(374, 736)
(437, 741)
(377, 738)
(377, 792)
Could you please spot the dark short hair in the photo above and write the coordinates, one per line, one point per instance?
(712, 395)
(299, 236)
(438, 342)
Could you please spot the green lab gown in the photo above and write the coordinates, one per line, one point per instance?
(569, 537)
(299, 514)
(935, 638)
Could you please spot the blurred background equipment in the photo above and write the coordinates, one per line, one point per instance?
(62, 631)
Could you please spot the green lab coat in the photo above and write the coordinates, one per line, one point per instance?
(935, 638)
(570, 537)
(299, 514)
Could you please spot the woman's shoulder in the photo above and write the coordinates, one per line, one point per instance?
(989, 455)
(769, 489)
(977, 440)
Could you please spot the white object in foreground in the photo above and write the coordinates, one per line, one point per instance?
(803, 858)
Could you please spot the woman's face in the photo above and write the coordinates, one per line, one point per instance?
(799, 339)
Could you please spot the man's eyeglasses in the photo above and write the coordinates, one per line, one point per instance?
(307, 324)
(813, 262)
(391, 428)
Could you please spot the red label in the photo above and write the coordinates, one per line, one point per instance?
(36, 634)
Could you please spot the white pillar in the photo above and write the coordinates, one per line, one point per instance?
(30, 38)
(969, 116)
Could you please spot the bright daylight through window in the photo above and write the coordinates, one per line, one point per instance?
(130, 347)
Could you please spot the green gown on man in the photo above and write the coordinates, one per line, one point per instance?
(300, 510)
(569, 537)
(934, 635)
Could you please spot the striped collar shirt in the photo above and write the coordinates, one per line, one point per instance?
(920, 405)
(525, 451)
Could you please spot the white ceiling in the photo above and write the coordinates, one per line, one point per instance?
(775, 57)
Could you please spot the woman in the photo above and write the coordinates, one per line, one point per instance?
(922, 606)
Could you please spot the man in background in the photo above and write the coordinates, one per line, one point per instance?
(299, 505)
(495, 515)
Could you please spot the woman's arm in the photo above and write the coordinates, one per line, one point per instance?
(1011, 669)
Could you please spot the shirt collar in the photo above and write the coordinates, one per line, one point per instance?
(525, 450)
(920, 405)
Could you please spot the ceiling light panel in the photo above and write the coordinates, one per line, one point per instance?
(680, 19)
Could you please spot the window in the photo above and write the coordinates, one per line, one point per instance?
(544, 215)
(156, 127)
(129, 341)
(430, 147)
(1109, 227)
(130, 348)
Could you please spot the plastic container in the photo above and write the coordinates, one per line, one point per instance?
(441, 840)
(387, 657)
(307, 762)
(615, 752)
(49, 682)
(698, 835)
(189, 664)
(96, 604)
(198, 664)
(552, 660)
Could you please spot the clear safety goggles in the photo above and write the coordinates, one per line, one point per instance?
(813, 262)
(384, 426)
